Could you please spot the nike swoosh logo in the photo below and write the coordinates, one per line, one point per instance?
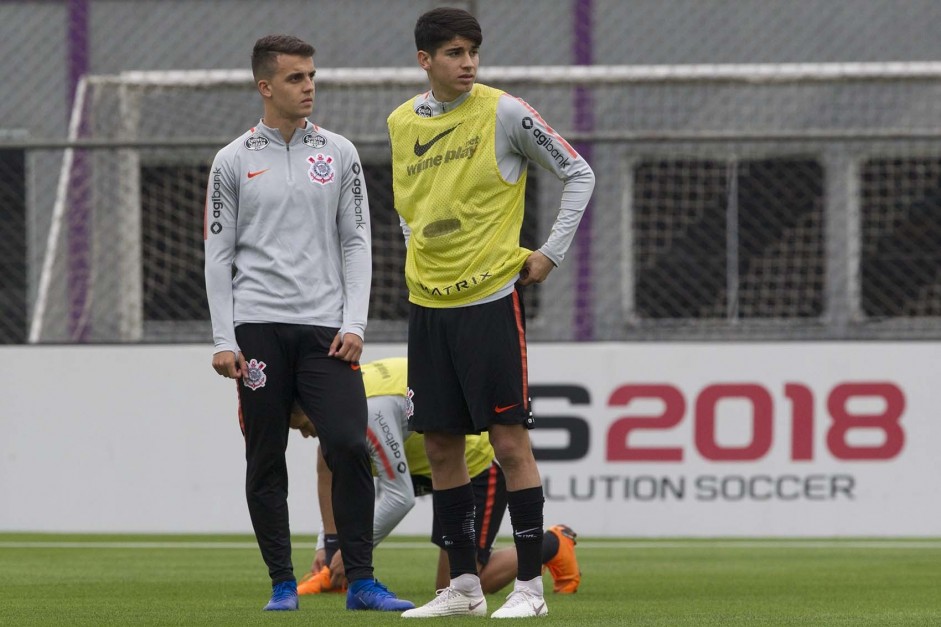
(540, 608)
(354, 365)
(421, 148)
(252, 175)
(500, 410)
(527, 531)
(473, 606)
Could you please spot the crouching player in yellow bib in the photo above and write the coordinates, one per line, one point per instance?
(403, 471)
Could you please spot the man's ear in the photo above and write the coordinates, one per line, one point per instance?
(424, 60)
(264, 88)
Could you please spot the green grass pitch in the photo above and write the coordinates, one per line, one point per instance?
(48, 579)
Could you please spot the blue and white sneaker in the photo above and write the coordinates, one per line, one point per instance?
(369, 594)
(283, 597)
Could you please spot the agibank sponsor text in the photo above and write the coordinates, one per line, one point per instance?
(215, 201)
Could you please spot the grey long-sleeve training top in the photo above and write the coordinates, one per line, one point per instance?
(287, 235)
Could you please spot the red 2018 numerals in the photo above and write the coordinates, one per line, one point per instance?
(842, 421)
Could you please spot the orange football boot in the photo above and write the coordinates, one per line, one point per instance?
(564, 567)
(317, 583)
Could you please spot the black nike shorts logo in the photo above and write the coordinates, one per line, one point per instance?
(421, 148)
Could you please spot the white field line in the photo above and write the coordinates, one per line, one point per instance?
(582, 546)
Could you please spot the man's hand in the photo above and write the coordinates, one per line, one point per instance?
(229, 364)
(319, 561)
(337, 571)
(348, 348)
(301, 422)
(535, 269)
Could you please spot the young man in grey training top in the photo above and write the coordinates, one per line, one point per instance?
(288, 268)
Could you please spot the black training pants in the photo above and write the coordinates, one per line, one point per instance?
(288, 362)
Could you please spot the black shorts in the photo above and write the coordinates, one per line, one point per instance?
(467, 367)
(489, 507)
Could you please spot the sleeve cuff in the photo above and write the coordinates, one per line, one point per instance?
(554, 258)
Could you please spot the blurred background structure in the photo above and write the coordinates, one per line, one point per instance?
(767, 169)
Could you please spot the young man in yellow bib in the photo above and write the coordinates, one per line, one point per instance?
(460, 153)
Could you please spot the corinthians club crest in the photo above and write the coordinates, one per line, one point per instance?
(255, 377)
(409, 403)
(321, 169)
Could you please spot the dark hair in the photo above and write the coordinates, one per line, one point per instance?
(441, 25)
(267, 49)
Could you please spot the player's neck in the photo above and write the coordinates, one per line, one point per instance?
(287, 127)
(446, 95)
(446, 105)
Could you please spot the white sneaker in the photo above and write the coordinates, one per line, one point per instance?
(450, 602)
(522, 603)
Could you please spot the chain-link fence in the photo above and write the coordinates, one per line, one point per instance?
(733, 202)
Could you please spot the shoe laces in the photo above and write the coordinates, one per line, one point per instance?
(520, 596)
(444, 595)
(379, 587)
(376, 589)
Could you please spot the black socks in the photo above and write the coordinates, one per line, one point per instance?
(526, 508)
(455, 510)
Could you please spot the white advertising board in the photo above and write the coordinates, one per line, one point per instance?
(646, 439)
(784, 439)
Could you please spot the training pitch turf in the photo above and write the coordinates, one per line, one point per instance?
(50, 579)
